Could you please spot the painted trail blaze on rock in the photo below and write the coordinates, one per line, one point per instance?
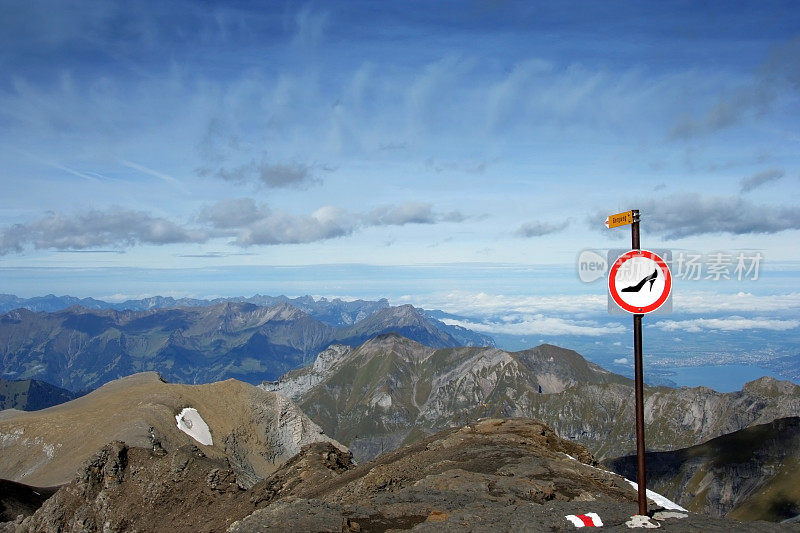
(585, 520)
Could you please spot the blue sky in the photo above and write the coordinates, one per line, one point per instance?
(204, 136)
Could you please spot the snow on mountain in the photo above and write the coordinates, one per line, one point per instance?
(190, 422)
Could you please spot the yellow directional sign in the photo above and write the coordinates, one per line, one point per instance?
(620, 219)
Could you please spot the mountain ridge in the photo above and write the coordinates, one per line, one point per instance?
(332, 312)
(254, 430)
(80, 348)
(391, 391)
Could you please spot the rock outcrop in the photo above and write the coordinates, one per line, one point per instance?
(494, 475)
(131, 489)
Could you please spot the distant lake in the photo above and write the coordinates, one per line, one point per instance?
(721, 378)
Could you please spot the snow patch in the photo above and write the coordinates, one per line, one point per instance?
(663, 501)
(190, 422)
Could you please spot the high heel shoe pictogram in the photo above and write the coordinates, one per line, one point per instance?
(636, 288)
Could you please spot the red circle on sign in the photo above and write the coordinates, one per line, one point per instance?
(612, 289)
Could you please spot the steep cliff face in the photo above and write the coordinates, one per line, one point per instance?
(392, 390)
(750, 474)
(253, 429)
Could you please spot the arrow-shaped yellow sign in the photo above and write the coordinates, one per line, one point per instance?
(620, 219)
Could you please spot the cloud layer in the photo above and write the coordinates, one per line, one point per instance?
(759, 179)
(686, 215)
(540, 324)
(485, 304)
(538, 229)
(732, 323)
(96, 228)
(241, 219)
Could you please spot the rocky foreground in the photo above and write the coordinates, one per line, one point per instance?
(496, 474)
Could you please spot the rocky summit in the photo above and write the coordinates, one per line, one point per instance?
(494, 475)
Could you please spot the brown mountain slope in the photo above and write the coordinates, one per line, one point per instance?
(254, 429)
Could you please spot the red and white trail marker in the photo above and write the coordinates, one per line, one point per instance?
(585, 520)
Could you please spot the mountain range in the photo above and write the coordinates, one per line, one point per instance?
(391, 391)
(333, 312)
(381, 382)
(433, 429)
(79, 348)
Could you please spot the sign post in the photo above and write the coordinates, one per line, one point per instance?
(639, 282)
(621, 219)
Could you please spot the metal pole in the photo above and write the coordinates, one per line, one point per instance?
(641, 475)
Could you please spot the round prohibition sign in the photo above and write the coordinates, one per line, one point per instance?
(639, 281)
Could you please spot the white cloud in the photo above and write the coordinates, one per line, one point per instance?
(539, 229)
(242, 219)
(398, 215)
(282, 228)
(715, 214)
(484, 304)
(709, 302)
(759, 179)
(540, 325)
(733, 323)
(621, 361)
(232, 213)
(96, 228)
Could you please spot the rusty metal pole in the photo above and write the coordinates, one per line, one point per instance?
(641, 475)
